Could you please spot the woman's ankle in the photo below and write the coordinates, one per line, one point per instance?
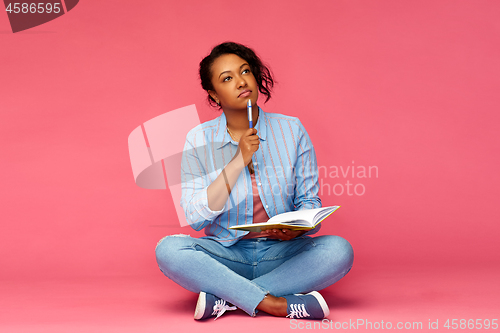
(273, 305)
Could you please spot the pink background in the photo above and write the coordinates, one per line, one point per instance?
(410, 87)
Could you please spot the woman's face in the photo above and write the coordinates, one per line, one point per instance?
(233, 82)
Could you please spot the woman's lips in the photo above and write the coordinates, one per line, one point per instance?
(245, 93)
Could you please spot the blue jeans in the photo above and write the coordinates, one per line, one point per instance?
(245, 272)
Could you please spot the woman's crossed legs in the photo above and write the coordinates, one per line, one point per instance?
(244, 273)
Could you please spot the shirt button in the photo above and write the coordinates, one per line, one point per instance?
(267, 206)
(259, 184)
(254, 163)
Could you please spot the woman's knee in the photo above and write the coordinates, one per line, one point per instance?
(168, 247)
(339, 248)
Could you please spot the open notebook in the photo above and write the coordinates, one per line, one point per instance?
(298, 220)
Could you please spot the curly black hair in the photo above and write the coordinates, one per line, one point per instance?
(261, 72)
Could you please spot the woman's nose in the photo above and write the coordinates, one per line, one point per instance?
(241, 82)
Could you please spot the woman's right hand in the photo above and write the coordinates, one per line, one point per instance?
(220, 189)
(249, 144)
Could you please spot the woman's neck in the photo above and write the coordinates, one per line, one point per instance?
(237, 120)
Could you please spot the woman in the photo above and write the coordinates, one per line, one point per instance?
(233, 174)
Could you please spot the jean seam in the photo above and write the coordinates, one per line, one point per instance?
(193, 246)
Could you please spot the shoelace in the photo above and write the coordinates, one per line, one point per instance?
(297, 311)
(220, 307)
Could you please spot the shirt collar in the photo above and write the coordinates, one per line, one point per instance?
(223, 137)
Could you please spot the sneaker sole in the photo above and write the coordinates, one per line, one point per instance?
(322, 303)
(201, 305)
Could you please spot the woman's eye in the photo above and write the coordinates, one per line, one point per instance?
(227, 78)
(245, 71)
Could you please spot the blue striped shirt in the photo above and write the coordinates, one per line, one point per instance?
(285, 166)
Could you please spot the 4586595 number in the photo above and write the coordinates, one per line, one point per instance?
(41, 7)
(471, 324)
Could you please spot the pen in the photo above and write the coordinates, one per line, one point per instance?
(249, 110)
(250, 124)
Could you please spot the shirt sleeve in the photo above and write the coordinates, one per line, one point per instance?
(306, 169)
(195, 181)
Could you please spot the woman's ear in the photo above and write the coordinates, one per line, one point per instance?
(213, 94)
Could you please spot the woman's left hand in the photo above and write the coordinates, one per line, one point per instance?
(283, 234)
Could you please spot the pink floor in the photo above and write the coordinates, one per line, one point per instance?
(155, 304)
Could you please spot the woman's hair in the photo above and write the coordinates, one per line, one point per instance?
(261, 72)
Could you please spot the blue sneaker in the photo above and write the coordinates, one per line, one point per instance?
(311, 306)
(209, 305)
